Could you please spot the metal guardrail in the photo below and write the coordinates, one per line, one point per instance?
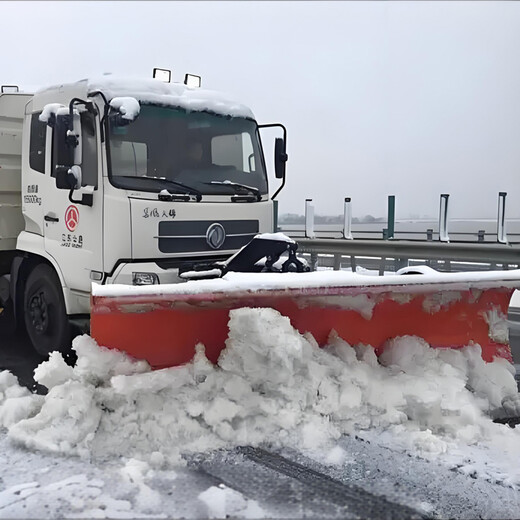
(390, 255)
(427, 234)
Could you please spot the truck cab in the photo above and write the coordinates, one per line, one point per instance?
(124, 182)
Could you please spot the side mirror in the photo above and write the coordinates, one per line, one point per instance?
(66, 142)
(117, 120)
(68, 178)
(75, 177)
(280, 158)
(124, 110)
(62, 152)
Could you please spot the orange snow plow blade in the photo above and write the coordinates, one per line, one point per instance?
(162, 324)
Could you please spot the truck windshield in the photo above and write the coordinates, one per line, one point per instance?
(194, 149)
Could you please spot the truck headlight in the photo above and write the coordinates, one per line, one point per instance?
(144, 279)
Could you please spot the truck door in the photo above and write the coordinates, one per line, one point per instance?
(73, 231)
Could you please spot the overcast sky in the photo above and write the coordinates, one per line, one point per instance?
(411, 99)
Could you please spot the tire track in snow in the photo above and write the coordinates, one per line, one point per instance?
(355, 499)
(271, 478)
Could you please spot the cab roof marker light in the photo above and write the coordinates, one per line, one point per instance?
(192, 81)
(10, 89)
(162, 75)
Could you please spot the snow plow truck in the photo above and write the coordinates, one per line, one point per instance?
(134, 205)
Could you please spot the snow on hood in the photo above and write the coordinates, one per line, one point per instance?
(170, 94)
(271, 385)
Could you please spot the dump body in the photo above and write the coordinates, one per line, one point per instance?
(448, 311)
(11, 121)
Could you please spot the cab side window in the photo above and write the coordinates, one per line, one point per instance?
(37, 144)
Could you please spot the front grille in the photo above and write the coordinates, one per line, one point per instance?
(190, 236)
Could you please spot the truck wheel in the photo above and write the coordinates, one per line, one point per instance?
(45, 316)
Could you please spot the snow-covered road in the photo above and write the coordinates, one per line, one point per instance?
(39, 485)
(114, 439)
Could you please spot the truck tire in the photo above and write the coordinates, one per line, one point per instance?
(45, 315)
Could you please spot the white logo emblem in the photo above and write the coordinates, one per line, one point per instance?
(215, 236)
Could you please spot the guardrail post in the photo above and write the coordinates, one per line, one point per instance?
(433, 263)
(443, 218)
(481, 235)
(314, 262)
(353, 263)
(347, 219)
(399, 263)
(382, 265)
(337, 262)
(309, 219)
(429, 234)
(391, 217)
(501, 219)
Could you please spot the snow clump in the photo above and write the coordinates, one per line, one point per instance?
(271, 385)
(224, 502)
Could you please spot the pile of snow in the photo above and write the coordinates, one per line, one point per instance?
(271, 385)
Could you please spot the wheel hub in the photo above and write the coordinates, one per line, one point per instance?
(38, 311)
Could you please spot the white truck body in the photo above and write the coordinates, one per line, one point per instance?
(126, 228)
(11, 121)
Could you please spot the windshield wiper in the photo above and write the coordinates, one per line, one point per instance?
(193, 191)
(240, 188)
(166, 196)
(189, 189)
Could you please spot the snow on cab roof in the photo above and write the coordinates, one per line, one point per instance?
(167, 94)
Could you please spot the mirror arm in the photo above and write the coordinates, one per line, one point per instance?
(87, 199)
(279, 189)
(105, 112)
(72, 140)
(77, 101)
(279, 125)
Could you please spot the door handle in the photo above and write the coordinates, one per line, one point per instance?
(48, 218)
